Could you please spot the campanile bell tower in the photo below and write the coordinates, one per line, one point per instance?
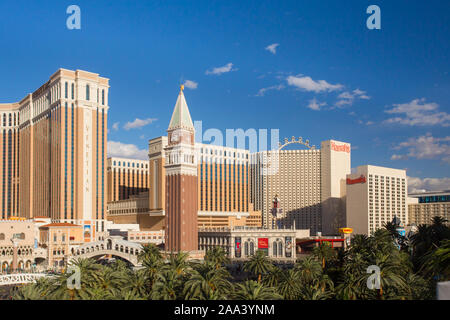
(181, 232)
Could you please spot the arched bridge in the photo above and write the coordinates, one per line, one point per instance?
(111, 246)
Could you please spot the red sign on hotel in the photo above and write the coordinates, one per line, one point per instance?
(361, 179)
(263, 243)
(340, 148)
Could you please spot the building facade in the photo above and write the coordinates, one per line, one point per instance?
(375, 195)
(17, 243)
(126, 177)
(309, 183)
(53, 151)
(427, 206)
(240, 243)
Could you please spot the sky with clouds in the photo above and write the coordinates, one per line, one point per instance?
(308, 68)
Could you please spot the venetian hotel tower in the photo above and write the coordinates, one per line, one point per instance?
(53, 152)
(181, 181)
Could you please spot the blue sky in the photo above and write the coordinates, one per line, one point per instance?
(326, 75)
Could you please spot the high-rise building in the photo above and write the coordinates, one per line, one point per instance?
(427, 206)
(309, 183)
(53, 151)
(335, 166)
(126, 177)
(181, 233)
(375, 195)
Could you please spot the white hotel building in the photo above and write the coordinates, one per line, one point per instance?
(375, 195)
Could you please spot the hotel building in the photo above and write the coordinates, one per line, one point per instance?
(53, 152)
(126, 177)
(310, 185)
(375, 195)
(428, 205)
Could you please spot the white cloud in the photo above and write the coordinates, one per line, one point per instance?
(308, 84)
(262, 91)
(190, 84)
(425, 147)
(272, 48)
(138, 123)
(428, 184)
(115, 126)
(369, 123)
(314, 105)
(119, 149)
(347, 98)
(418, 113)
(219, 70)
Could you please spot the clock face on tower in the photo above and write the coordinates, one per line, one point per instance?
(175, 137)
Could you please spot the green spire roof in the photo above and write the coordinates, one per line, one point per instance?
(181, 117)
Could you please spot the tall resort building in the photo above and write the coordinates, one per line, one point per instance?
(53, 152)
(310, 185)
(375, 195)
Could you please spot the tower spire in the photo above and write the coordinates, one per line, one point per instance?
(181, 118)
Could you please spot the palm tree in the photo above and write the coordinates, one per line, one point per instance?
(289, 284)
(217, 256)
(308, 269)
(149, 251)
(137, 284)
(166, 286)
(390, 273)
(252, 290)
(258, 264)
(323, 252)
(272, 277)
(207, 282)
(179, 263)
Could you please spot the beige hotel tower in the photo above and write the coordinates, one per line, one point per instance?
(53, 152)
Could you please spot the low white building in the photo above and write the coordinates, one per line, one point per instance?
(242, 242)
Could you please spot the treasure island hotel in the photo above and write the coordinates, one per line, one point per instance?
(53, 152)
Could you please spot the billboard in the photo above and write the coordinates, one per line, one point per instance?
(237, 247)
(87, 231)
(263, 245)
(288, 247)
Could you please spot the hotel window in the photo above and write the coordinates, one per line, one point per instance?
(66, 90)
(88, 92)
(73, 91)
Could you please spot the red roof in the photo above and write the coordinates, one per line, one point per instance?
(60, 225)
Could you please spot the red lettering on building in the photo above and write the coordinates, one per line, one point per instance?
(361, 179)
(341, 148)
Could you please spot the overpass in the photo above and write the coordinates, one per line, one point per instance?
(111, 246)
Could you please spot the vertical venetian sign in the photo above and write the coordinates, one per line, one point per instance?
(288, 247)
(87, 164)
(237, 247)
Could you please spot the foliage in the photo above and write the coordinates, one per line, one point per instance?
(408, 273)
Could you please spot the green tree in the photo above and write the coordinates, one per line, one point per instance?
(252, 290)
(258, 264)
